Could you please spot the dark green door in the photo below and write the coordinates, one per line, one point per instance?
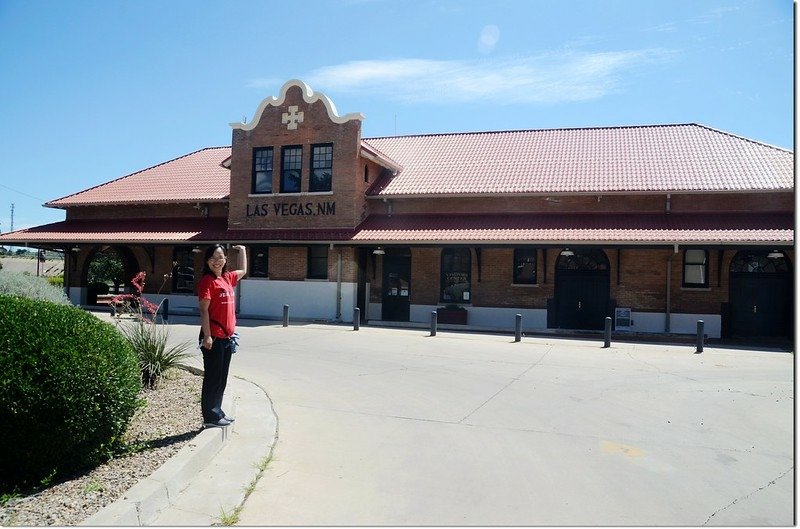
(396, 303)
(582, 289)
(761, 301)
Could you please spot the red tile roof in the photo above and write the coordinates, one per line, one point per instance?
(571, 229)
(661, 158)
(198, 176)
(580, 228)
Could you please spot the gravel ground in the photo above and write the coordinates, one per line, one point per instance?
(170, 419)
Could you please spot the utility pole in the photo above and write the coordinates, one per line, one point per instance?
(12, 216)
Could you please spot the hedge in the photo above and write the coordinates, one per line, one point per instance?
(68, 390)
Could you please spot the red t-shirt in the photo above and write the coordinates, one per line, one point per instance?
(223, 305)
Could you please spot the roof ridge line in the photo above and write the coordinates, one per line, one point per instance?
(547, 129)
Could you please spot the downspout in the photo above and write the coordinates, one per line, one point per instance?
(338, 285)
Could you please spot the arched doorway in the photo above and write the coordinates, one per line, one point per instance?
(107, 270)
(760, 294)
(582, 289)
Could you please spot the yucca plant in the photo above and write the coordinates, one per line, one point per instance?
(148, 338)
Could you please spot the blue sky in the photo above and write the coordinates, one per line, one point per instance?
(94, 90)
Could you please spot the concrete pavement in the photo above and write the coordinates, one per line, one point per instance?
(393, 427)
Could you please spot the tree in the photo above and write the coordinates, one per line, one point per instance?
(105, 268)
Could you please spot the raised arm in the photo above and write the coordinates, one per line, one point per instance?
(241, 268)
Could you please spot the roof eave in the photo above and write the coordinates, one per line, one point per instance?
(203, 200)
(382, 195)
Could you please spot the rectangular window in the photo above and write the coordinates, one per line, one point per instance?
(456, 275)
(524, 266)
(695, 268)
(262, 170)
(183, 270)
(259, 260)
(321, 168)
(318, 262)
(291, 168)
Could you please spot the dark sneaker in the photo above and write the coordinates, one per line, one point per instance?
(217, 424)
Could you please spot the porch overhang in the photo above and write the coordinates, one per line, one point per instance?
(668, 230)
(581, 229)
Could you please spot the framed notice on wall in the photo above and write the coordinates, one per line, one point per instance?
(622, 319)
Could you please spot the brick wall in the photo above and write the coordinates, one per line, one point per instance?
(288, 263)
(695, 203)
(641, 285)
(301, 210)
(146, 211)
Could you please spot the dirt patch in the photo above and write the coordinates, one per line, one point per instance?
(51, 267)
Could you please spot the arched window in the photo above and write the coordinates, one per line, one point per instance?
(455, 279)
(582, 259)
(760, 262)
(695, 268)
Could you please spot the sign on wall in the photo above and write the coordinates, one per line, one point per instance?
(291, 209)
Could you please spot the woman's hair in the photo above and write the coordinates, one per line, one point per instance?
(210, 252)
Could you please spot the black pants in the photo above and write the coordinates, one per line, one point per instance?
(216, 362)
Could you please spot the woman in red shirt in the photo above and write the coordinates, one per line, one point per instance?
(218, 323)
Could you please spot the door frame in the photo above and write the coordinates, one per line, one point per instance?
(589, 265)
(760, 282)
(397, 307)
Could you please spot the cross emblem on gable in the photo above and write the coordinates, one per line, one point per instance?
(292, 118)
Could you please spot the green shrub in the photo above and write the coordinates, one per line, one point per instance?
(56, 281)
(68, 389)
(27, 286)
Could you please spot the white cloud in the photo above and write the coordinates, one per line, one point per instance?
(487, 42)
(546, 78)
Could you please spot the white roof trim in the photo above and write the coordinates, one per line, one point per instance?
(309, 96)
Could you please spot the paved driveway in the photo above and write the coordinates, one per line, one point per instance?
(393, 427)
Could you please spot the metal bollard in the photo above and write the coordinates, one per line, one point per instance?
(434, 322)
(165, 309)
(286, 315)
(356, 318)
(608, 332)
(700, 330)
(518, 328)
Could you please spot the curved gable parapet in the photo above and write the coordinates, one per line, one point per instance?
(309, 96)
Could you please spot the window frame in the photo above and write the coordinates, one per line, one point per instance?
(704, 269)
(181, 257)
(446, 267)
(254, 261)
(313, 168)
(521, 253)
(296, 160)
(267, 171)
(311, 269)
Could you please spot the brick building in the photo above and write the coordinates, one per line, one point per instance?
(656, 226)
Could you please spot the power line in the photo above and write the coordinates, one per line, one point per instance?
(22, 193)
